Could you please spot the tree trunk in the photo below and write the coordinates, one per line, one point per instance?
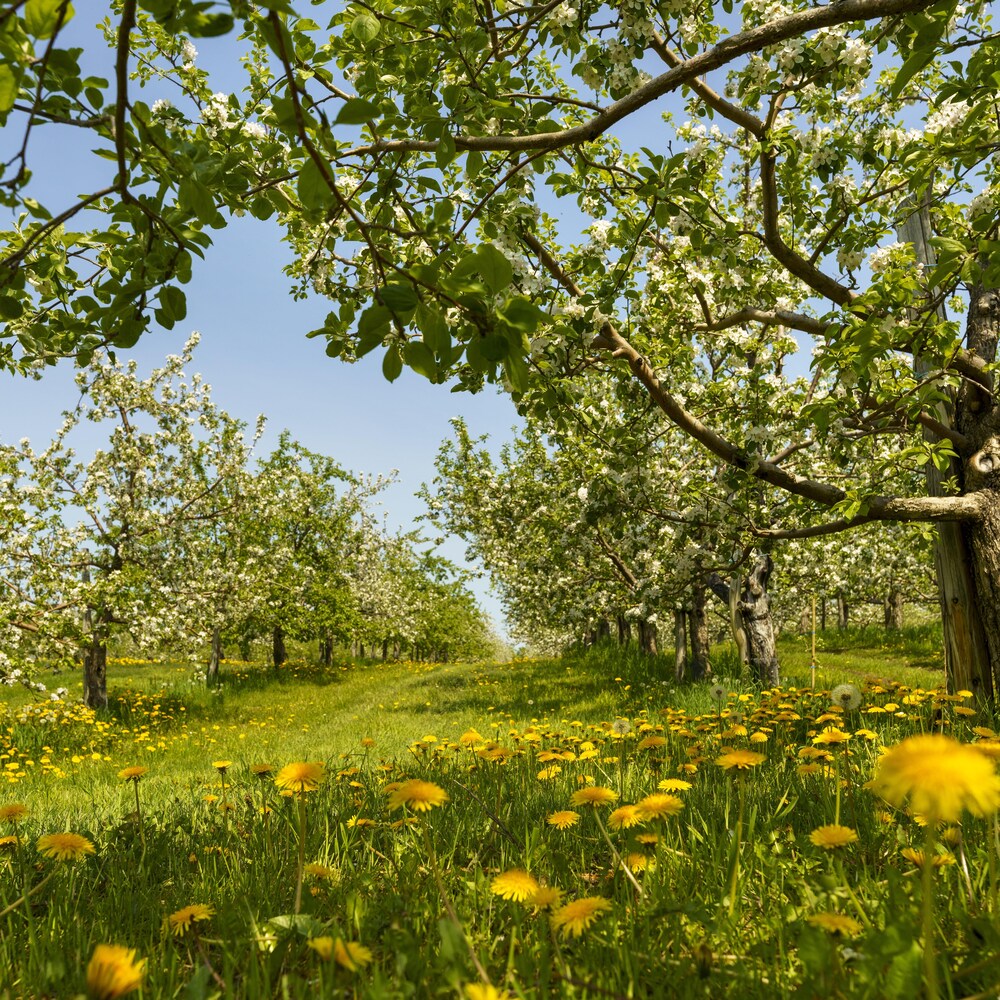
(822, 613)
(385, 650)
(603, 629)
(893, 606)
(95, 674)
(701, 665)
(647, 637)
(278, 652)
(245, 649)
(214, 658)
(962, 557)
(680, 644)
(842, 610)
(326, 651)
(805, 621)
(624, 631)
(755, 608)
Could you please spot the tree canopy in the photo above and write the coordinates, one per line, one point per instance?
(521, 193)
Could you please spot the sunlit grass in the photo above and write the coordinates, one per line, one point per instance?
(572, 828)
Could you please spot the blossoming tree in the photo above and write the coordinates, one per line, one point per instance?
(828, 169)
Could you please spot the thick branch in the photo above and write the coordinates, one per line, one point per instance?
(686, 74)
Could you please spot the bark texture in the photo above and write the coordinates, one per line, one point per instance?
(893, 608)
(278, 652)
(214, 657)
(680, 644)
(755, 609)
(95, 675)
(701, 664)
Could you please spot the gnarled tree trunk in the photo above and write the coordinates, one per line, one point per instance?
(755, 608)
(893, 608)
(680, 644)
(95, 674)
(701, 664)
(214, 658)
(278, 652)
(647, 637)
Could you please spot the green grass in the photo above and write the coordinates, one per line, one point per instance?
(420, 896)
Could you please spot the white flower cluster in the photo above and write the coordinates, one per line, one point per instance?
(562, 16)
(599, 231)
(849, 260)
(984, 203)
(883, 258)
(189, 52)
(215, 114)
(950, 115)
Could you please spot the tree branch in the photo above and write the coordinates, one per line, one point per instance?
(685, 74)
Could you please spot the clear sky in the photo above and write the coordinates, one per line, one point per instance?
(253, 350)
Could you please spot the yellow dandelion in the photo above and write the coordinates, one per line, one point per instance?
(660, 806)
(639, 862)
(183, 920)
(833, 836)
(132, 774)
(835, 923)
(323, 946)
(575, 917)
(759, 737)
(351, 954)
(261, 770)
(548, 773)
(563, 819)
(113, 971)
(421, 796)
(222, 765)
(651, 743)
(302, 776)
(9, 843)
(674, 785)
(12, 812)
(485, 991)
(647, 839)
(469, 737)
(515, 884)
(740, 760)
(831, 735)
(940, 777)
(546, 896)
(317, 870)
(624, 818)
(64, 846)
(916, 856)
(593, 795)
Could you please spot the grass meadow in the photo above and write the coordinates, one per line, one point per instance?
(583, 827)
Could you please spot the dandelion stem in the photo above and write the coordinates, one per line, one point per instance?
(735, 874)
(449, 908)
(302, 852)
(618, 858)
(138, 812)
(25, 896)
(927, 906)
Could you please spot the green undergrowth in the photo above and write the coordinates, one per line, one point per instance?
(721, 893)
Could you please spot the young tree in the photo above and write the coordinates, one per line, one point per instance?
(115, 544)
(807, 138)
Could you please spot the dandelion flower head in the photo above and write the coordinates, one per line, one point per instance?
(64, 846)
(939, 776)
(563, 819)
(181, 921)
(660, 806)
(515, 884)
(12, 812)
(421, 796)
(132, 773)
(593, 795)
(833, 836)
(847, 696)
(302, 776)
(113, 971)
(740, 760)
(575, 917)
(835, 923)
(351, 954)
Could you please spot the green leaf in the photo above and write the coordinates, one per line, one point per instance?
(173, 302)
(42, 16)
(10, 308)
(473, 163)
(356, 111)
(517, 372)
(523, 315)
(392, 364)
(365, 28)
(313, 190)
(398, 297)
(434, 330)
(196, 198)
(494, 267)
(418, 357)
(374, 319)
(8, 88)
(494, 347)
